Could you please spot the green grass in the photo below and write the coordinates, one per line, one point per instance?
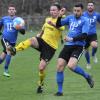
(22, 84)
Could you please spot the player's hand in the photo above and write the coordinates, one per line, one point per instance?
(18, 27)
(51, 23)
(68, 39)
(38, 35)
(62, 12)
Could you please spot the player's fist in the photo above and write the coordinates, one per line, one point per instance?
(62, 12)
(18, 27)
(66, 38)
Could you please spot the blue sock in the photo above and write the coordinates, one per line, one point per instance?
(87, 56)
(8, 59)
(80, 71)
(94, 50)
(1, 60)
(60, 79)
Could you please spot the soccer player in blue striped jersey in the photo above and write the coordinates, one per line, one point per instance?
(70, 54)
(91, 40)
(9, 36)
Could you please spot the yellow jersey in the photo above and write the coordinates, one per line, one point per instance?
(51, 34)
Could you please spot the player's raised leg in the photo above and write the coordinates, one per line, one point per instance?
(72, 64)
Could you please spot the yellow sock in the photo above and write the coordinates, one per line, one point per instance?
(42, 76)
(23, 45)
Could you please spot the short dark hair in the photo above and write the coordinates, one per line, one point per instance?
(11, 5)
(57, 5)
(79, 5)
(91, 2)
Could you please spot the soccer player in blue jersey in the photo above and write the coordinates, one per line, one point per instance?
(91, 40)
(78, 29)
(9, 36)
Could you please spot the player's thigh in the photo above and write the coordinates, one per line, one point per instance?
(5, 43)
(63, 58)
(75, 56)
(46, 54)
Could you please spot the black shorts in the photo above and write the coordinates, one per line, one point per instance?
(89, 39)
(6, 43)
(46, 51)
(71, 51)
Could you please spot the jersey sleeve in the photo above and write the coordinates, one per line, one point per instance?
(62, 28)
(64, 21)
(98, 17)
(85, 28)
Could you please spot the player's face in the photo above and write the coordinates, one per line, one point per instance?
(54, 11)
(90, 7)
(77, 11)
(11, 11)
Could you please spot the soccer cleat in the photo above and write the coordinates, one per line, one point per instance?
(90, 81)
(6, 74)
(88, 66)
(58, 94)
(95, 59)
(39, 89)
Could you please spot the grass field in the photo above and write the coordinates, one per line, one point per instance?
(22, 84)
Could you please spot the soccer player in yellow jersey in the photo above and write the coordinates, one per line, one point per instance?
(46, 42)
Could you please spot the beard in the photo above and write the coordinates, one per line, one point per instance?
(90, 10)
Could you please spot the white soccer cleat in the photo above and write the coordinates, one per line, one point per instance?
(88, 66)
(6, 74)
(95, 59)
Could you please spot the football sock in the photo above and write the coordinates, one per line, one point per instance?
(8, 59)
(80, 71)
(60, 79)
(23, 45)
(87, 56)
(41, 76)
(94, 50)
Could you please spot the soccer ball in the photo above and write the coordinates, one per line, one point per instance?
(18, 23)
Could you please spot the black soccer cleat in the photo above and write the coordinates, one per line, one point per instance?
(58, 94)
(40, 89)
(90, 81)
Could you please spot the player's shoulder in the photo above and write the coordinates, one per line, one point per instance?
(84, 19)
(48, 18)
(69, 16)
(5, 17)
(96, 13)
(85, 12)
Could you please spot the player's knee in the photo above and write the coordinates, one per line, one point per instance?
(60, 66)
(34, 42)
(42, 65)
(94, 44)
(71, 65)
